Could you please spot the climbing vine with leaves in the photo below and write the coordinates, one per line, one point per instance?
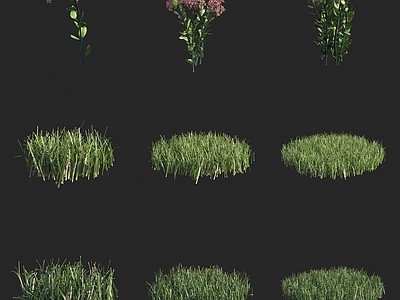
(332, 21)
(77, 15)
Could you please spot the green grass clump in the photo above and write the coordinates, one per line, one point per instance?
(191, 284)
(333, 155)
(66, 155)
(335, 284)
(66, 282)
(201, 155)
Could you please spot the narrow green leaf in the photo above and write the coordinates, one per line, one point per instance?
(74, 37)
(71, 8)
(350, 16)
(88, 50)
(83, 31)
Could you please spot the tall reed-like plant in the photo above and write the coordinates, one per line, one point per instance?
(66, 282)
(340, 283)
(332, 21)
(201, 154)
(210, 283)
(66, 155)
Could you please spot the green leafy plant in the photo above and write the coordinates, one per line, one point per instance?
(333, 155)
(67, 155)
(201, 154)
(209, 283)
(195, 27)
(77, 16)
(66, 282)
(335, 284)
(332, 21)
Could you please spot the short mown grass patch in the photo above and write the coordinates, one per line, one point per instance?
(333, 155)
(210, 283)
(66, 282)
(67, 154)
(340, 283)
(201, 155)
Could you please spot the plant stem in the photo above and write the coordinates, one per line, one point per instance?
(79, 31)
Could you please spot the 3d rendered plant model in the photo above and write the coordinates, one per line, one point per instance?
(201, 154)
(73, 282)
(67, 154)
(333, 155)
(332, 21)
(195, 26)
(77, 15)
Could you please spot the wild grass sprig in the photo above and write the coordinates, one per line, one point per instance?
(66, 155)
(340, 283)
(209, 283)
(77, 15)
(333, 155)
(195, 26)
(201, 155)
(332, 21)
(67, 282)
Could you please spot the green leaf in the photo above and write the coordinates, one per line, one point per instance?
(80, 24)
(336, 4)
(88, 50)
(175, 2)
(188, 24)
(350, 16)
(188, 60)
(71, 8)
(74, 37)
(73, 14)
(83, 31)
(183, 38)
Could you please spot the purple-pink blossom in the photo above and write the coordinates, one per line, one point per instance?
(214, 6)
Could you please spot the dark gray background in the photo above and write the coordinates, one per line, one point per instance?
(261, 79)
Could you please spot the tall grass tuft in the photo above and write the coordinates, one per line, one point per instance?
(66, 282)
(335, 284)
(333, 155)
(201, 155)
(66, 155)
(210, 284)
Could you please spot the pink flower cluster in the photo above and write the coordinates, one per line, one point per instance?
(214, 6)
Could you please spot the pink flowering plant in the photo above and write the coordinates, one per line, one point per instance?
(195, 26)
(77, 15)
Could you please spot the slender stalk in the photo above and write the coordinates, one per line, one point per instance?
(79, 31)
